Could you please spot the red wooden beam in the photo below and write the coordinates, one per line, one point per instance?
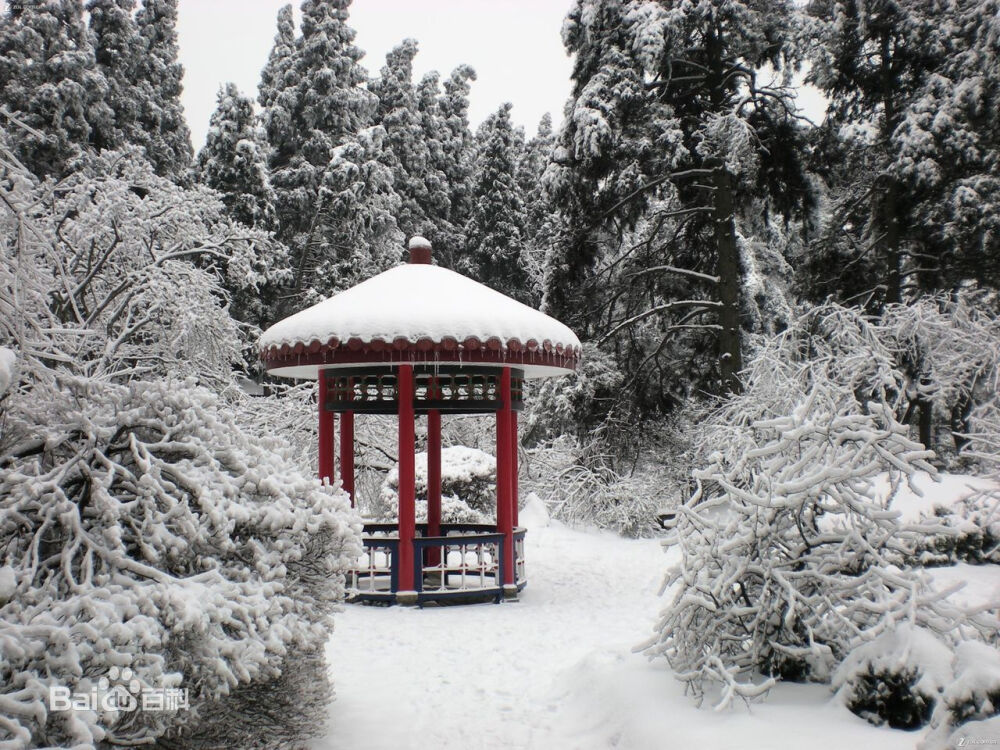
(347, 453)
(433, 482)
(407, 484)
(325, 442)
(513, 458)
(504, 485)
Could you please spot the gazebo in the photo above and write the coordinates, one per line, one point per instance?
(419, 339)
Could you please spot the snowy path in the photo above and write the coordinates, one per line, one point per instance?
(552, 671)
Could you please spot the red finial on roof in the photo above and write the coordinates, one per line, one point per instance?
(420, 250)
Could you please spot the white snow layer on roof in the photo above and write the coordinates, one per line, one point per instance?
(416, 301)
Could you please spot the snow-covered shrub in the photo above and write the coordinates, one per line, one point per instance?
(970, 703)
(468, 487)
(973, 525)
(577, 494)
(146, 529)
(789, 558)
(897, 678)
(558, 406)
(142, 525)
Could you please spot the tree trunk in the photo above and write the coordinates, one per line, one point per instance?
(926, 423)
(730, 277)
(890, 201)
(893, 259)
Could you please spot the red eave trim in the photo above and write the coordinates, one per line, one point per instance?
(401, 350)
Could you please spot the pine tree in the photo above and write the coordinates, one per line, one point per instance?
(539, 227)
(165, 133)
(315, 106)
(276, 75)
(423, 202)
(233, 161)
(496, 229)
(118, 50)
(873, 60)
(52, 96)
(673, 149)
(455, 160)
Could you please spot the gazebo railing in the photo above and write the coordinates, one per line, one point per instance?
(520, 577)
(375, 576)
(465, 562)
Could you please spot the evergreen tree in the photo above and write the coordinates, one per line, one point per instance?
(275, 78)
(233, 161)
(673, 152)
(316, 107)
(873, 60)
(357, 206)
(118, 50)
(456, 161)
(916, 188)
(162, 127)
(496, 230)
(539, 227)
(423, 199)
(52, 96)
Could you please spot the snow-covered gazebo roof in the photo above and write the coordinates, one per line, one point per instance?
(419, 313)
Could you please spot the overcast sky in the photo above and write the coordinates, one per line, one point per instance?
(514, 45)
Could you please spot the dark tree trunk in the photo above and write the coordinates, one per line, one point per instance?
(926, 423)
(893, 256)
(890, 200)
(728, 271)
(960, 427)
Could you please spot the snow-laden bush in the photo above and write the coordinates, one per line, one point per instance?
(142, 525)
(970, 702)
(789, 557)
(897, 678)
(973, 535)
(145, 529)
(581, 495)
(468, 487)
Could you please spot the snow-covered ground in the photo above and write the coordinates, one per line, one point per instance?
(555, 670)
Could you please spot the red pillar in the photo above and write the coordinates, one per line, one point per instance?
(407, 487)
(433, 482)
(513, 459)
(325, 443)
(504, 485)
(433, 473)
(347, 453)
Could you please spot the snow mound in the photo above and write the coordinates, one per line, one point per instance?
(459, 465)
(904, 648)
(8, 584)
(924, 493)
(534, 514)
(8, 360)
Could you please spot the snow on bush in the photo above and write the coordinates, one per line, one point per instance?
(468, 487)
(580, 494)
(970, 702)
(896, 678)
(789, 557)
(142, 526)
(145, 529)
(973, 535)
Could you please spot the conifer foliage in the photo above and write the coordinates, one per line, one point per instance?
(142, 525)
(234, 162)
(496, 234)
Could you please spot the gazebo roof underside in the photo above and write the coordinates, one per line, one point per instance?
(418, 313)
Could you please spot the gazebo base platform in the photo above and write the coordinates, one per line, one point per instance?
(464, 564)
